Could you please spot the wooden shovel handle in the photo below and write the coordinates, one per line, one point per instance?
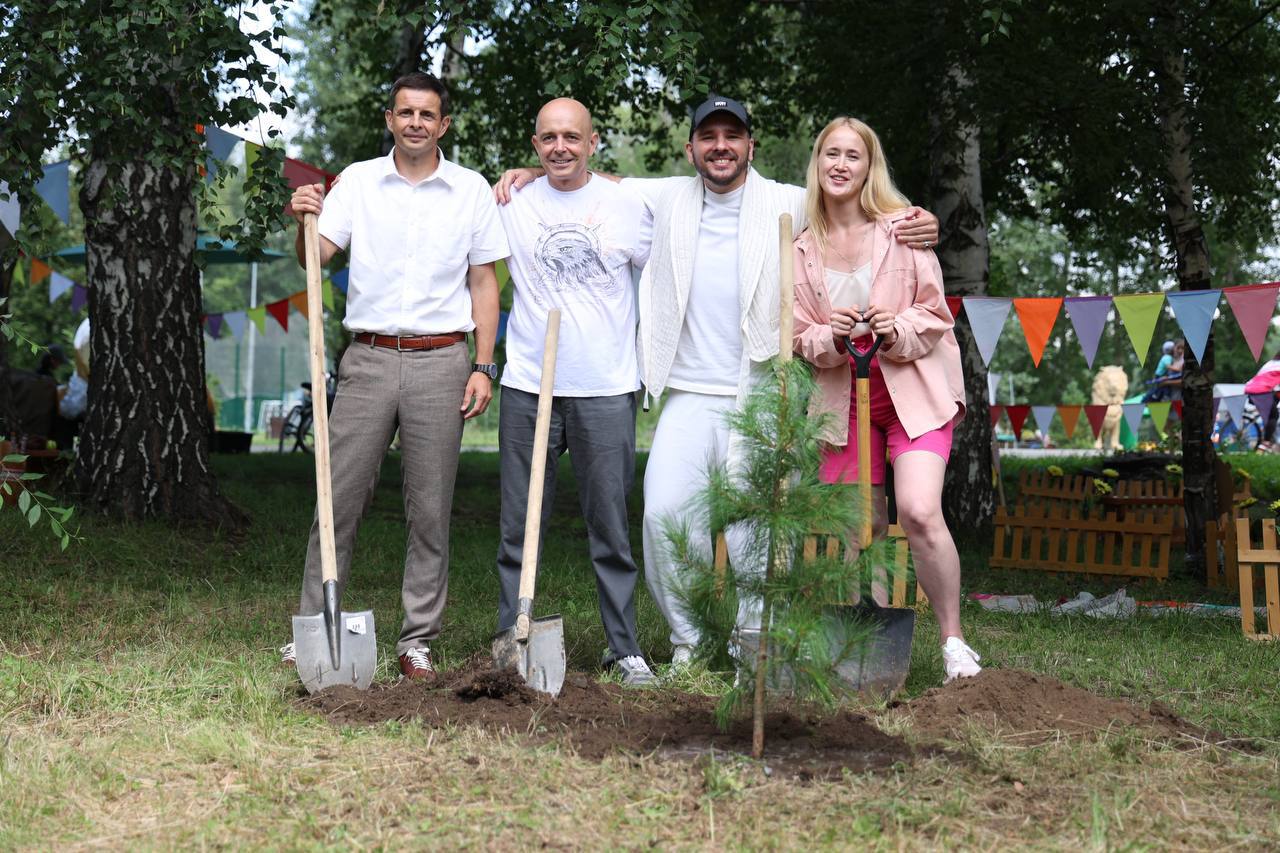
(319, 399)
(864, 459)
(538, 470)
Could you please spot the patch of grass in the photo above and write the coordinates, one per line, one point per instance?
(141, 705)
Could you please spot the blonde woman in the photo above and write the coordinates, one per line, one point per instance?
(853, 280)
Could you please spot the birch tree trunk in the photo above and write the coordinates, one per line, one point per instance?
(956, 190)
(1192, 254)
(145, 443)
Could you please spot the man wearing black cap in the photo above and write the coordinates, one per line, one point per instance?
(708, 322)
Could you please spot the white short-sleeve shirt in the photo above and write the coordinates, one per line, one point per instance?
(410, 245)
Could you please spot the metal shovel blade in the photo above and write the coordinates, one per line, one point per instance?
(540, 660)
(882, 665)
(357, 651)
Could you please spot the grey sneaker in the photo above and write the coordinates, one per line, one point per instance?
(287, 655)
(635, 672)
(682, 656)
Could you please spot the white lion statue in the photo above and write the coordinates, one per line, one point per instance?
(1110, 386)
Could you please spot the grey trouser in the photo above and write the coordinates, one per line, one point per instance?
(420, 393)
(600, 435)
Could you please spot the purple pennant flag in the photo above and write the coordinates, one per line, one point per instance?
(1217, 403)
(1044, 417)
(1263, 402)
(1088, 315)
(215, 326)
(1194, 310)
(986, 318)
(79, 298)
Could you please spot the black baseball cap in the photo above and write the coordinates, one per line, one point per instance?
(719, 104)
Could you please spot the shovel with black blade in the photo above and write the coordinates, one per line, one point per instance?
(885, 659)
(535, 647)
(332, 647)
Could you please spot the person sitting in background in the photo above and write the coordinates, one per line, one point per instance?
(1265, 381)
(1162, 383)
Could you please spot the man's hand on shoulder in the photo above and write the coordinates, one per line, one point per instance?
(477, 396)
(512, 180)
(919, 230)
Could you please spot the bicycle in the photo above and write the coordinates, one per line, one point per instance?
(1230, 438)
(299, 423)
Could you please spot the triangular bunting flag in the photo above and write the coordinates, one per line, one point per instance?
(235, 321)
(1088, 315)
(280, 310)
(215, 325)
(955, 304)
(1133, 415)
(1217, 404)
(19, 277)
(1194, 310)
(1044, 417)
(1253, 306)
(299, 301)
(39, 269)
(986, 318)
(298, 173)
(58, 285)
(259, 317)
(502, 271)
(326, 294)
(1037, 315)
(1264, 403)
(1070, 416)
(1017, 417)
(1159, 414)
(1096, 415)
(10, 210)
(220, 145)
(995, 412)
(251, 150)
(340, 278)
(55, 188)
(1139, 311)
(79, 298)
(1235, 409)
(1177, 408)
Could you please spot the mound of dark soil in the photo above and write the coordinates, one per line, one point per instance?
(600, 719)
(1034, 708)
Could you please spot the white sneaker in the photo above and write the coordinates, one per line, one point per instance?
(682, 656)
(635, 672)
(288, 657)
(958, 660)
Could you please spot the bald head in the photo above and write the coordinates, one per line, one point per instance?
(564, 138)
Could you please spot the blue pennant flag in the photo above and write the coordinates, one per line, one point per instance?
(220, 145)
(1194, 310)
(986, 318)
(340, 278)
(55, 188)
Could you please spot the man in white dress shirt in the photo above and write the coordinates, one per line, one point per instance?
(423, 235)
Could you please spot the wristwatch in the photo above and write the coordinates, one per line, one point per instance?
(490, 370)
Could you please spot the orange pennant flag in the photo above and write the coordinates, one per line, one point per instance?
(1069, 415)
(1037, 315)
(299, 301)
(39, 270)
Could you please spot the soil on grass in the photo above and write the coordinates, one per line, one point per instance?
(601, 719)
(1035, 708)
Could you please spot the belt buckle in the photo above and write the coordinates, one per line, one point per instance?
(398, 347)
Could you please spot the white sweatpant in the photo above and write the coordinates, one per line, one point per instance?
(691, 435)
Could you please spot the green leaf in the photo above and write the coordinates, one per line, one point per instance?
(33, 515)
(31, 475)
(15, 458)
(24, 501)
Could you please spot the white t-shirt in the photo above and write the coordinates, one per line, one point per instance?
(709, 356)
(851, 290)
(411, 245)
(574, 251)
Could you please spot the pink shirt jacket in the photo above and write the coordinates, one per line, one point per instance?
(921, 369)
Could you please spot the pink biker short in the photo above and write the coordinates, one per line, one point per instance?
(840, 464)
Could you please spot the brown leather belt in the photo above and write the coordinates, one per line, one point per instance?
(411, 342)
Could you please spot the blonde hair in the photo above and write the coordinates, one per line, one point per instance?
(879, 196)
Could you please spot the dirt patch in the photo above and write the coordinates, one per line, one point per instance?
(1034, 708)
(603, 719)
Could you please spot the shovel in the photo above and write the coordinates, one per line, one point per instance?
(332, 647)
(885, 660)
(535, 647)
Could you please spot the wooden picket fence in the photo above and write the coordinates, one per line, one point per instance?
(1071, 539)
(1038, 486)
(1222, 567)
(890, 584)
(1265, 559)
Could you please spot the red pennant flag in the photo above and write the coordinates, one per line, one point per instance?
(956, 305)
(1017, 417)
(1037, 315)
(996, 412)
(1177, 407)
(1096, 414)
(299, 301)
(280, 310)
(1070, 415)
(39, 269)
(298, 173)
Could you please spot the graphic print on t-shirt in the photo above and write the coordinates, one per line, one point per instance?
(570, 265)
